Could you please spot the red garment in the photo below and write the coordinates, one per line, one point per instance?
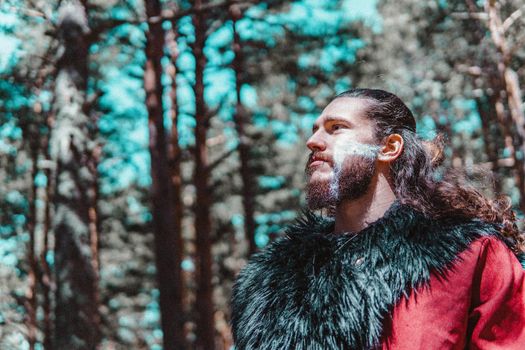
(478, 304)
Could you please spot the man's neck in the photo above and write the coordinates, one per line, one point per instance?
(354, 215)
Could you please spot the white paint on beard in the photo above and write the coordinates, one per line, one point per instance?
(342, 150)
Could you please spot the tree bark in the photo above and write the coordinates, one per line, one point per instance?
(167, 245)
(46, 277)
(491, 149)
(240, 119)
(93, 159)
(205, 308)
(77, 320)
(512, 91)
(176, 181)
(31, 292)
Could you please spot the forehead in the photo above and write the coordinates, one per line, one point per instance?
(348, 109)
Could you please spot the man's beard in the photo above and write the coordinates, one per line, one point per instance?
(349, 180)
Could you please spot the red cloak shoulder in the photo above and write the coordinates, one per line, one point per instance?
(479, 303)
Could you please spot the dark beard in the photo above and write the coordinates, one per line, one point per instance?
(349, 182)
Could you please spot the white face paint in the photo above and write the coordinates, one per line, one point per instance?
(342, 150)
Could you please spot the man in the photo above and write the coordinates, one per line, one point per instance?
(406, 260)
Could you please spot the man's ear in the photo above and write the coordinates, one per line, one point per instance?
(392, 147)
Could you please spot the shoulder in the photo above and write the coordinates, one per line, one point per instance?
(489, 266)
(493, 251)
(498, 297)
(482, 287)
(496, 266)
(488, 245)
(492, 244)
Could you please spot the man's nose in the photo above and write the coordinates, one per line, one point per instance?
(316, 143)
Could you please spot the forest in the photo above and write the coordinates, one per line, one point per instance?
(149, 147)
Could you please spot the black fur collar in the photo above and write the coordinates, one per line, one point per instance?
(312, 289)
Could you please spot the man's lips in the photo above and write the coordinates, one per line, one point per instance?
(318, 160)
(316, 163)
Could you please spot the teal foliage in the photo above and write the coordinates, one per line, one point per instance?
(9, 133)
(11, 51)
(271, 182)
(286, 133)
(123, 126)
(426, 127)
(471, 121)
(8, 246)
(248, 96)
(271, 224)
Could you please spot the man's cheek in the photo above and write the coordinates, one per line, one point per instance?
(346, 148)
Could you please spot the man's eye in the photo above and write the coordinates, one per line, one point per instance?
(337, 127)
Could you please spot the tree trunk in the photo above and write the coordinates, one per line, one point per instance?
(240, 119)
(512, 91)
(77, 319)
(205, 308)
(489, 141)
(176, 181)
(93, 217)
(46, 277)
(516, 113)
(167, 246)
(31, 292)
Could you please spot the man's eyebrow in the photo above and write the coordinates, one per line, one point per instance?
(335, 118)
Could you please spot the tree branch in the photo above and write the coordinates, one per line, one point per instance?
(470, 15)
(172, 15)
(221, 158)
(474, 71)
(512, 18)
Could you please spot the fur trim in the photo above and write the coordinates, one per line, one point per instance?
(312, 289)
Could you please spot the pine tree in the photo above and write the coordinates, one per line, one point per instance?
(77, 317)
(167, 245)
(204, 304)
(241, 118)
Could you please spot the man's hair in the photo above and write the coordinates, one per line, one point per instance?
(415, 175)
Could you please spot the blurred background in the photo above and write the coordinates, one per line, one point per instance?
(147, 148)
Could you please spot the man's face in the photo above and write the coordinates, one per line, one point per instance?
(342, 162)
